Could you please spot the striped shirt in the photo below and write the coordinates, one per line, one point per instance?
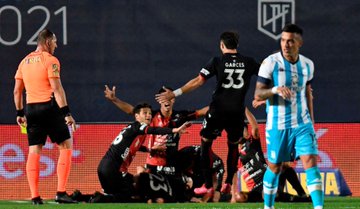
(276, 70)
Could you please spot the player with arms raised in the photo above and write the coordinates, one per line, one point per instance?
(233, 72)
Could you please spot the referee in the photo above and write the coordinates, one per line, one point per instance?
(47, 113)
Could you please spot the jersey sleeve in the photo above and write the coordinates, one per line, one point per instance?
(53, 67)
(143, 128)
(146, 129)
(209, 70)
(191, 115)
(266, 71)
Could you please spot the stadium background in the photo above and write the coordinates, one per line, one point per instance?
(141, 45)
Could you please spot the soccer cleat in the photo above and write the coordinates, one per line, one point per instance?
(302, 198)
(76, 195)
(200, 190)
(226, 188)
(37, 201)
(203, 190)
(96, 198)
(62, 197)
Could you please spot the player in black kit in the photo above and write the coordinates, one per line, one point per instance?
(166, 116)
(146, 188)
(160, 188)
(252, 166)
(189, 163)
(233, 72)
(113, 174)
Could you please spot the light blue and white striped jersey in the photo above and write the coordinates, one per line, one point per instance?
(284, 114)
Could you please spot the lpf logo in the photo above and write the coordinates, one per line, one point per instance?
(273, 15)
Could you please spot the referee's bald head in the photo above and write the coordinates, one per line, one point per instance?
(45, 35)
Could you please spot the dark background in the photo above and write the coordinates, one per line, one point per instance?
(140, 45)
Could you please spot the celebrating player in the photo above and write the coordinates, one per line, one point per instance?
(163, 161)
(189, 162)
(113, 168)
(233, 72)
(252, 167)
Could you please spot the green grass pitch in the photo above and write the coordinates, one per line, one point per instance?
(330, 202)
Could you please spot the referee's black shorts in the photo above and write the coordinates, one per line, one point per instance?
(43, 120)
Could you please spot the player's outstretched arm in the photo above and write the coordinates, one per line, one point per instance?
(122, 105)
(253, 123)
(202, 112)
(182, 128)
(166, 95)
(188, 87)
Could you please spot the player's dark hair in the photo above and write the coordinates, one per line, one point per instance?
(230, 39)
(139, 106)
(161, 90)
(45, 35)
(292, 28)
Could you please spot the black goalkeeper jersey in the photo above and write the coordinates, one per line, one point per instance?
(233, 73)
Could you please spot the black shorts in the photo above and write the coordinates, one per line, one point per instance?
(215, 122)
(43, 120)
(113, 181)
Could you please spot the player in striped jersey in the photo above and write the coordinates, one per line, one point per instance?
(284, 80)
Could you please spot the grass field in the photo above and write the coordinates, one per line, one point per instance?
(331, 203)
